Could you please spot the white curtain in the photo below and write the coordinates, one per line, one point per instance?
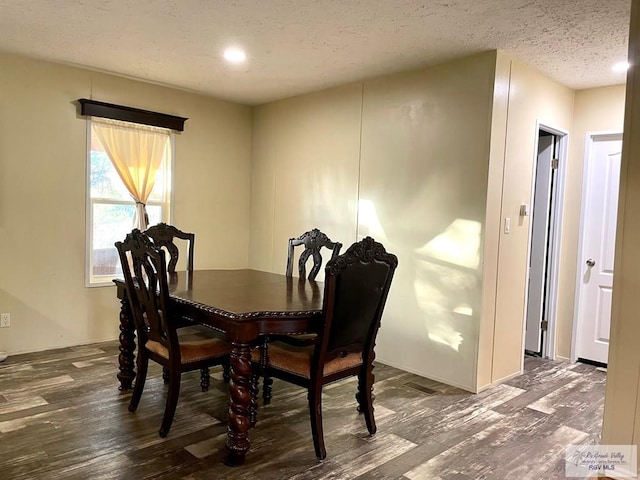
(136, 151)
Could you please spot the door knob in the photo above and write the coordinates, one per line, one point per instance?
(591, 262)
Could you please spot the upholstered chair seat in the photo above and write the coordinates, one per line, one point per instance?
(297, 360)
(192, 351)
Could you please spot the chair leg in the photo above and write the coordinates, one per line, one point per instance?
(315, 414)
(165, 375)
(253, 404)
(143, 364)
(205, 380)
(172, 401)
(266, 390)
(359, 407)
(268, 381)
(365, 398)
(226, 370)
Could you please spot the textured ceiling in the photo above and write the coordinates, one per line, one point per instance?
(298, 46)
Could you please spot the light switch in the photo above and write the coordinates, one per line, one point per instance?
(507, 225)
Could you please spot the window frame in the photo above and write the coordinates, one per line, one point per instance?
(166, 206)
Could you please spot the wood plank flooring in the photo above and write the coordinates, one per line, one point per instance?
(62, 417)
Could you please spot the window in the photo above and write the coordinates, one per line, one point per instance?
(111, 208)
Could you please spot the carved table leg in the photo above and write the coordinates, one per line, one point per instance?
(127, 347)
(239, 404)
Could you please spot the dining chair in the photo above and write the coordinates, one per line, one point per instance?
(355, 291)
(147, 290)
(164, 236)
(313, 241)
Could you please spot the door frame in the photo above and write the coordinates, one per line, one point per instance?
(588, 148)
(551, 309)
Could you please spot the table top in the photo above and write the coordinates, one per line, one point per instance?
(246, 293)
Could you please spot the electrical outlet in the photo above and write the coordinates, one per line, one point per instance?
(5, 320)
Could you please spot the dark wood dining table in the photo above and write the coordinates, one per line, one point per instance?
(244, 305)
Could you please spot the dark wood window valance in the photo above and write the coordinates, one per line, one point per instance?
(130, 114)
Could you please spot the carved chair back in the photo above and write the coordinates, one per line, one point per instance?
(356, 287)
(164, 236)
(145, 276)
(312, 241)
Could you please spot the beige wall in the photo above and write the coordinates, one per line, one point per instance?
(533, 99)
(595, 110)
(42, 195)
(493, 222)
(426, 187)
(304, 172)
(621, 425)
(429, 162)
(425, 160)
(412, 150)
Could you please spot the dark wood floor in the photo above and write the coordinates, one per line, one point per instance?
(62, 417)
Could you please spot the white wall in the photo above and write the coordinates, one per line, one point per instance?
(429, 162)
(425, 159)
(532, 99)
(304, 172)
(412, 150)
(493, 223)
(43, 155)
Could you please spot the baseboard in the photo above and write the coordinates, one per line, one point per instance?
(466, 388)
(591, 362)
(58, 346)
(448, 382)
(499, 381)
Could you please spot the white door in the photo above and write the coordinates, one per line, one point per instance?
(539, 244)
(595, 263)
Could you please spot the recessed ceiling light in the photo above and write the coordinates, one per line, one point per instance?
(234, 55)
(620, 67)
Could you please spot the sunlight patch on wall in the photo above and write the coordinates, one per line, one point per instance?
(446, 336)
(446, 282)
(463, 310)
(368, 221)
(459, 244)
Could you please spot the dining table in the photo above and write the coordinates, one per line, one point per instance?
(243, 305)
